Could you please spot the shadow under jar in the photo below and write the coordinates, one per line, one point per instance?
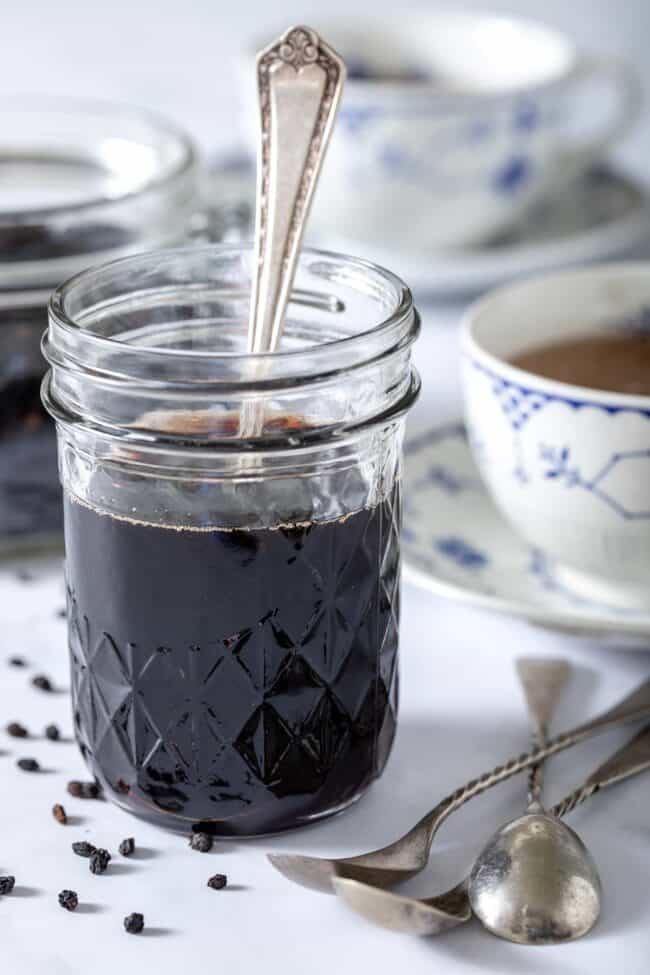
(233, 603)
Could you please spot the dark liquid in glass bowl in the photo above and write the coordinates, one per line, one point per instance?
(243, 679)
(30, 495)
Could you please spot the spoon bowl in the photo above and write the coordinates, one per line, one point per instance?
(536, 883)
(406, 915)
(433, 915)
(409, 854)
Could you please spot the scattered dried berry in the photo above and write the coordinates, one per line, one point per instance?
(59, 813)
(127, 847)
(83, 849)
(28, 765)
(6, 885)
(84, 790)
(52, 732)
(202, 842)
(17, 662)
(43, 683)
(69, 900)
(133, 923)
(17, 730)
(99, 860)
(218, 882)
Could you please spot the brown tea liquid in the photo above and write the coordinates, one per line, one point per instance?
(612, 363)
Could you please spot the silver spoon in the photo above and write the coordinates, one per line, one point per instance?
(300, 81)
(535, 881)
(542, 681)
(427, 916)
(408, 855)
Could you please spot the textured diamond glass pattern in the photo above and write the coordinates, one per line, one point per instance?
(252, 682)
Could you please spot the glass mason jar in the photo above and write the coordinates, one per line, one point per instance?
(233, 600)
(82, 182)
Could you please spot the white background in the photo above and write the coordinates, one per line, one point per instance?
(461, 710)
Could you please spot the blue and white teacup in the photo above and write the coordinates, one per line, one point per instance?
(568, 466)
(452, 124)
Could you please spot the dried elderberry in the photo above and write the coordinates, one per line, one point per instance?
(17, 730)
(202, 842)
(99, 861)
(69, 900)
(127, 847)
(52, 732)
(84, 790)
(218, 882)
(134, 923)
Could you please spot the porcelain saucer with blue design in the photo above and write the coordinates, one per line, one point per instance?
(456, 544)
(605, 213)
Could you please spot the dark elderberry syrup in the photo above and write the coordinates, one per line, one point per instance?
(30, 494)
(245, 680)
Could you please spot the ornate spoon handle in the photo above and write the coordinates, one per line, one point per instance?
(300, 80)
(542, 680)
(632, 708)
(632, 758)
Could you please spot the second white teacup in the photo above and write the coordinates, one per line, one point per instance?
(568, 466)
(452, 124)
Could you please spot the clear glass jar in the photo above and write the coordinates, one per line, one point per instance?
(233, 603)
(80, 182)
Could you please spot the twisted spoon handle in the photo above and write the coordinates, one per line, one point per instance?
(632, 758)
(536, 772)
(542, 680)
(632, 708)
(576, 798)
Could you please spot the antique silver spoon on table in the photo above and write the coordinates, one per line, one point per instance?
(535, 882)
(543, 681)
(427, 916)
(299, 81)
(409, 854)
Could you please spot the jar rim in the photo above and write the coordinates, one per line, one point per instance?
(80, 106)
(61, 318)
(151, 345)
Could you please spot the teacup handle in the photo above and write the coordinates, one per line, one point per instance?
(622, 77)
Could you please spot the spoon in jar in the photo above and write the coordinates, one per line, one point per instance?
(299, 81)
(409, 854)
(431, 916)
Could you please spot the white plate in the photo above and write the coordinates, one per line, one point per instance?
(604, 214)
(456, 544)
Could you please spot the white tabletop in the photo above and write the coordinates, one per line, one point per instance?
(461, 711)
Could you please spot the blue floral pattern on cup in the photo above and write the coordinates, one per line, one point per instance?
(457, 539)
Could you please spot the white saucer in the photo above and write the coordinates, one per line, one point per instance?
(456, 544)
(602, 215)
